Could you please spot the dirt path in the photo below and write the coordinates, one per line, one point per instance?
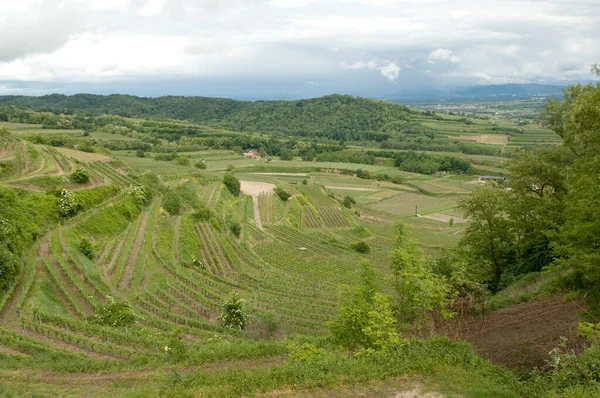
(352, 188)
(522, 335)
(134, 252)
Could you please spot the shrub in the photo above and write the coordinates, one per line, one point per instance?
(140, 153)
(202, 214)
(200, 165)
(182, 160)
(85, 247)
(114, 313)
(214, 221)
(348, 201)
(233, 312)
(171, 203)
(80, 176)
(304, 182)
(140, 194)
(361, 247)
(67, 203)
(235, 228)
(282, 193)
(232, 183)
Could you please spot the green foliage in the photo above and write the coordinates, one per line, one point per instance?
(172, 203)
(233, 314)
(80, 176)
(182, 160)
(361, 247)
(140, 153)
(421, 294)
(285, 154)
(67, 203)
(305, 352)
(140, 194)
(348, 201)
(429, 164)
(489, 239)
(200, 165)
(235, 228)
(86, 248)
(114, 313)
(232, 183)
(282, 193)
(365, 323)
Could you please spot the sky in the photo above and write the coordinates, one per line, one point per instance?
(261, 49)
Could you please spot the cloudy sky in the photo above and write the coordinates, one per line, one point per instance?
(291, 48)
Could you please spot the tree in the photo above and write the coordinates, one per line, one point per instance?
(489, 239)
(232, 183)
(420, 293)
(282, 193)
(140, 153)
(233, 312)
(365, 321)
(348, 201)
(577, 121)
(172, 203)
(285, 154)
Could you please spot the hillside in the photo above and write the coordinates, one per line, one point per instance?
(121, 279)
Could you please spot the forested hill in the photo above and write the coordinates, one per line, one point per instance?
(339, 117)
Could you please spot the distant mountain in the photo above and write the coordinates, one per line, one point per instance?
(510, 90)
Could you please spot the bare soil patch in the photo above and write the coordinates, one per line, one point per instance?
(522, 335)
(255, 188)
(444, 218)
(492, 139)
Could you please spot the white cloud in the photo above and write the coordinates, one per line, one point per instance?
(307, 40)
(443, 55)
(388, 69)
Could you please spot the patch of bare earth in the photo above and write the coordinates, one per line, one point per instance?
(445, 218)
(492, 139)
(255, 188)
(522, 335)
(10, 351)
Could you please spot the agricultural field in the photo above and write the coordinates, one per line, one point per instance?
(171, 239)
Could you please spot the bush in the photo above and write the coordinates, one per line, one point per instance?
(348, 201)
(67, 203)
(200, 165)
(114, 313)
(282, 193)
(140, 153)
(171, 203)
(182, 160)
(232, 183)
(233, 312)
(361, 247)
(235, 228)
(202, 214)
(80, 176)
(85, 247)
